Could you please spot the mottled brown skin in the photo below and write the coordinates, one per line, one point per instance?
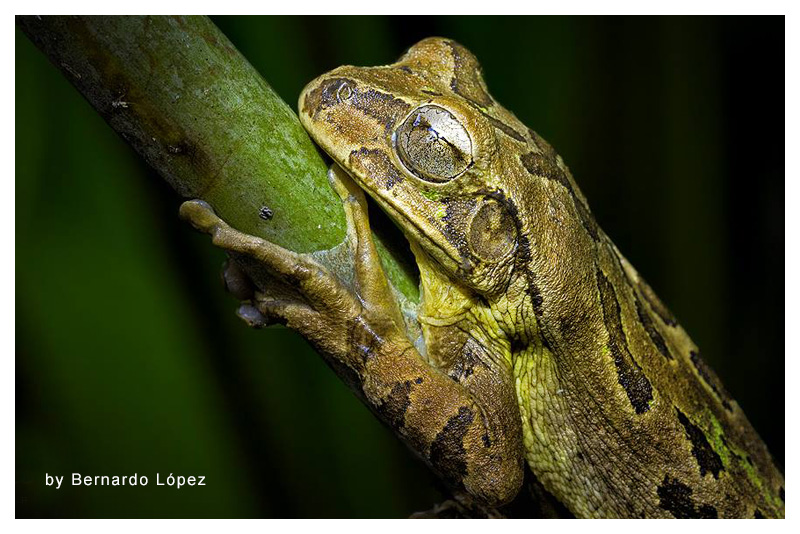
(542, 346)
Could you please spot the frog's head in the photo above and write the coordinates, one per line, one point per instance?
(423, 138)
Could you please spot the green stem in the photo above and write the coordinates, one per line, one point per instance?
(190, 104)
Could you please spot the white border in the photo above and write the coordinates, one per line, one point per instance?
(419, 7)
(7, 292)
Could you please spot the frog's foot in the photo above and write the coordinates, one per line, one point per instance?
(239, 284)
(299, 271)
(307, 296)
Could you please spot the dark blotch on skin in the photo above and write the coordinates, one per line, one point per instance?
(656, 305)
(497, 123)
(324, 96)
(541, 144)
(523, 253)
(676, 498)
(183, 148)
(467, 76)
(629, 374)
(546, 343)
(447, 450)
(465, 364)
(652, 331)
(455, 214)
(536, 297)
(540, 165)
(706, 511)
(545, 166)
(394, 407)
(382, 107)
(376, 163)
(711, 379)
(758, 514)
(461, 370)
(569, 324)
(503, 127)
(587, 219)
(708, 460)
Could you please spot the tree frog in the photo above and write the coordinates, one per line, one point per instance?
(536, 346)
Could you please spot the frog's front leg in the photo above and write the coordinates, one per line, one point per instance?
(463, 436)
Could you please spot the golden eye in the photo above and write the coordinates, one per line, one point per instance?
(433, 145)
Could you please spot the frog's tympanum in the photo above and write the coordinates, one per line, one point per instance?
(536, 345)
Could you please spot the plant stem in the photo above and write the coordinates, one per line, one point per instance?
(190, 104)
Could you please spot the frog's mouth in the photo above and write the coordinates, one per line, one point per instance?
(415, 225)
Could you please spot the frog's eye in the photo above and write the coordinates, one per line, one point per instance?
(433, 145)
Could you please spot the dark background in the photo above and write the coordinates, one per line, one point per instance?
(129, 358)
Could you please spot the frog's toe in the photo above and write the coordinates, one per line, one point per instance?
(354, 203)
(270, 312)
(305, 288)
(344, 186)
(236, 281)
(252, 316)
(200, 214)
(291, 267)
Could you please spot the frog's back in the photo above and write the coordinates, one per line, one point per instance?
(623, 418)
(621, 415)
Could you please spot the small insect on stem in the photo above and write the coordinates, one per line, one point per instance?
(265, 213)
